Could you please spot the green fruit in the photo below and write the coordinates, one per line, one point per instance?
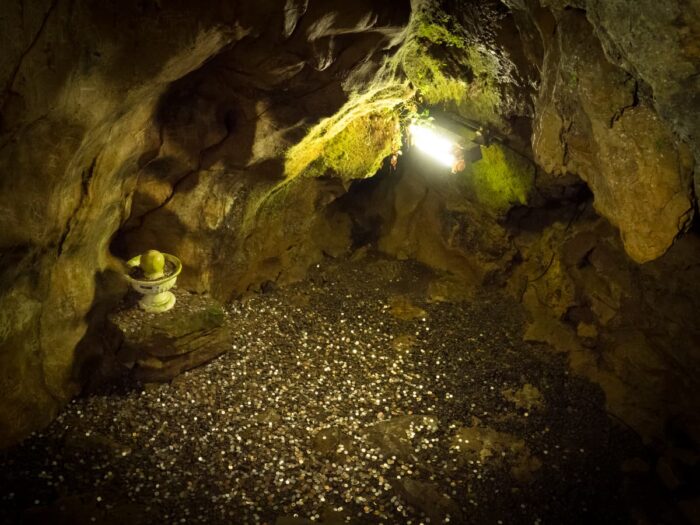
(152, 264)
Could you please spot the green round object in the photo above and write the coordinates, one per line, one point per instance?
(152, 262)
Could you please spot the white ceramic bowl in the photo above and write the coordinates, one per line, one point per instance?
(156, 295)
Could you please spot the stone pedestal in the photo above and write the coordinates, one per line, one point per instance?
(158, 347)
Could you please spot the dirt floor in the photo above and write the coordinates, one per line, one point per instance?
(373, 392)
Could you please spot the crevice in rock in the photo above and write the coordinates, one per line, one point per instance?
(565, 143)
(180, 181)
(85, 180)
(635, 102)
(35, 39)
(42, 351)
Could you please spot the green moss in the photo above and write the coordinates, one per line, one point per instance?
(352, 143)
(466, 79)
(267, 202)
(663, 145)
(280, 209)
(436, 30)
(426, 74)
(476, 96)
(501, 178)
(358, 150)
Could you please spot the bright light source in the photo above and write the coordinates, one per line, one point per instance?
(433, 144)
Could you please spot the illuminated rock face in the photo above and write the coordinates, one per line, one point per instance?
(595, 120)
(130, 127)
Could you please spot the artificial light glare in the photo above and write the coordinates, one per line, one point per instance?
(433, 144)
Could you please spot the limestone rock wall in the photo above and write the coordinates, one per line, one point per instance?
(657, 43)
(599, 121)
(617, 105)
(417, 213)
(79, 85)
(585, 90)
(626, 326)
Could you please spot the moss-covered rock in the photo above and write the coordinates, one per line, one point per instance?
(353, 143)
(501, 179)
(357, 151)
(158, 347)
(478, 100)
(112, 118)
(450, 68)
(431, 219)
(286, 231)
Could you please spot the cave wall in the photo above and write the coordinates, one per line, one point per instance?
(617, 95)
(615, 79)
(657, 43)
(79, 85)
(628, 327)
(598, 121)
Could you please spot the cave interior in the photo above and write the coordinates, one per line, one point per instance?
(432, 261)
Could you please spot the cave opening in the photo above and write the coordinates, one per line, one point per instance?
(235, 287)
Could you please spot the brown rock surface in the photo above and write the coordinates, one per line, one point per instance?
(130, 126)
(630, 328)
(79, 85)
(427, 497)
(432, 218)
(593, 119)
(484, 444)
(657, 41)
(215, 193)
(395, 436)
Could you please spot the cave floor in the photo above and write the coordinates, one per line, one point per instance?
(360, 395)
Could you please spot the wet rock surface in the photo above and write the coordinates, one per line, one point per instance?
(328, 408)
